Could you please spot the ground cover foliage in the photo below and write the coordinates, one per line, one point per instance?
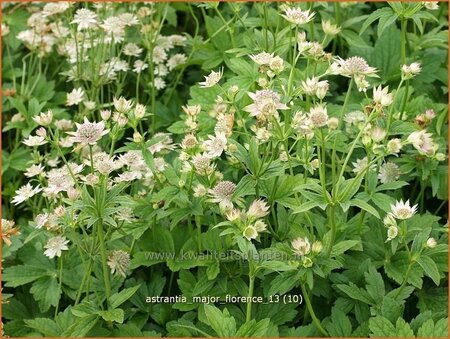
(225, 169)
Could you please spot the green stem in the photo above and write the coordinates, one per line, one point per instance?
(60, 284)
(251, 286)
(316, 321)
(332, 217)
(405, 97)
(403, 23)
(104, 260)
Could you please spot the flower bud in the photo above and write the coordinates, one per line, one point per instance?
(431, 243)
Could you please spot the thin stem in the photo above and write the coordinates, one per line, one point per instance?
(316, 321)
(332, 217)
(60, 283)
(405, 97)
(251, 286)
(403, 23)
(104, 260)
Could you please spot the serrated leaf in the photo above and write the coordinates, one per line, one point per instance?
(429, 267)
(118, 299)
(221, 322)
(364, 206)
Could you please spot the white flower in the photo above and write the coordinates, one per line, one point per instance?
(128, 19)
(202, 164)
(389, 172)
(258, 209)
(215, 145)
(262, 58)
(55, 246)
(132, 49)
(431, 5)
(34, 170)
(329, 28)
(410, 71)
(200, 191)
(212, 79)
(381, 96)
(421, 140)
(402, 210)
(250, 233)
(75, 97)
(159, 83)
(431, 243)
(392, 233)
(34, 141)
(301, 246)
(85, 19)
(276, 64)
(44, 119)
(297, 16)
(139, 66)
(119, 261)
(394, 146)
(122, 105)
(176, 60)
(223, 191)
(352, 66)
(361, 164)
(24, 193)
(318, 116)
(55, 8)
(88, 133)
(265, 105)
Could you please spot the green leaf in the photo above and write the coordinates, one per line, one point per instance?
(253, 329)
(379, 13)
(115, 315)
(429, 267)
(391, 186)
(344, 246)
(380, 327)
(118, 299)
(81, 327)
(431, 330)
(355, 292)
(305, 207)
(375, 284)
(45, 326)
(221, 322)
(364, 206)
(21, 274)
(46, 291)
(340, 325)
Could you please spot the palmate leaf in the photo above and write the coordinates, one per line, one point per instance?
(223, 324)
(46, 291)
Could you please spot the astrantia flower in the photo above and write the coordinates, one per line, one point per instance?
(44, 119)
(318, 116)
(301, 246)
(88, 133)
(262, 58)
(431, 5)
(176, 60)
(297, 16)
(34, 141)
(392, 233)
(422, 141)
(260, 226)
(200, 191)
(139, 66)
(122, 105)
(55, 8)
(24, 193)
(394, 146)
(215, 145)
(75, 97)
(381, 96)
(250, 233)
(329, 28)
(410, 71)
(132, 49)
(202, 164)
(361, 164)
(265, 105)
(85, 19)
(223, 191)
(119, 261)
(212, 79)
(353, 66)
(402, 210)
(34, 170)
(389, 172)
(258, 209)
(8, 230)
(160, 83)
(55, 246)
(431, 243)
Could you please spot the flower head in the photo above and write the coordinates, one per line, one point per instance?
(24, 193)
(212, 79)
(119, 261)
(301, 246)
(75, 97)
(402, 210)
(392, 233)
(298, 17)
(85, 19)
(223, 191)
(265, 105)
(389, 172)
(422, 141)
(250, 233)
(55, 246)
(215, 145)
(258, 209)
(381, 96)
(329, 28)
(88, 133)
(353, 66)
